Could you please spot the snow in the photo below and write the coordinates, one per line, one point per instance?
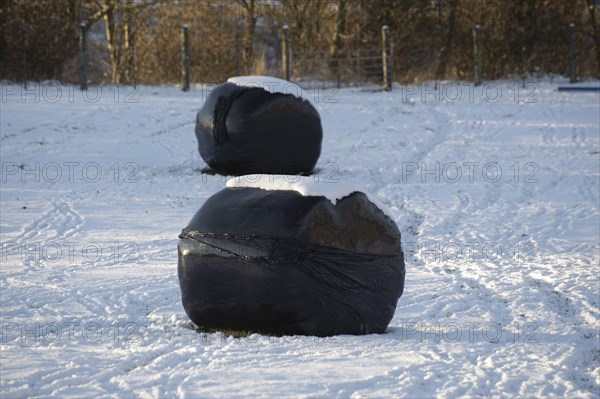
(272, 85)
(495, 190)
(307, 186)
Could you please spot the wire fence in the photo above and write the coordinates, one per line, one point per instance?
(344, 67)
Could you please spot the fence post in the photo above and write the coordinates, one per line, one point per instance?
(285, 52)
(572, 54)
(477, 55)
(134, 65)
(82, 56)
(186, 58)
(387, 73)
(391, 67)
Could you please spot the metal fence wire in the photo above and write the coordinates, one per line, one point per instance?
(348, 67)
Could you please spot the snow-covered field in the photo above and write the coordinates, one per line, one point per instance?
(495, 190)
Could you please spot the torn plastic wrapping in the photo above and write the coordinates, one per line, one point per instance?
(264, 267)
(245, 130)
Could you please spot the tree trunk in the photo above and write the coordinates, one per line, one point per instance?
(249, 5)
(113, 48)
(440, 73)
(336, 42)
(596, 32)
(128, 43)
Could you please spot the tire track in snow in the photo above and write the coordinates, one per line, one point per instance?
(41, 252)
(25, 131)
(38, 242)
(437, 137)
(544, 300)
(589, 190)
(586, 353)
(158, 138)
(478, 295)
(62, 220)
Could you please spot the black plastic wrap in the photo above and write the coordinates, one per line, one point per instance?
(246, 130)
(277, 262)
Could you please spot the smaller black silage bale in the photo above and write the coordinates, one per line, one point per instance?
(245, 128)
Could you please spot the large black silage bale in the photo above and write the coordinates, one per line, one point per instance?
(278, 262)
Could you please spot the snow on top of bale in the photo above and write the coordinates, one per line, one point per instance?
(307, 186)
(270, 84)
